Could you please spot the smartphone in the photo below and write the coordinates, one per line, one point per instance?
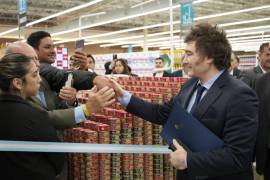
(79, 44)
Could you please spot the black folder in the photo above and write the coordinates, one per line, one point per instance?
(189, 132)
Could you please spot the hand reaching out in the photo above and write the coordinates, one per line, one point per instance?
(97, 100)
(101, 81)
(117, 88)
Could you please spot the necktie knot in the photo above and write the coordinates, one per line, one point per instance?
(200, 90)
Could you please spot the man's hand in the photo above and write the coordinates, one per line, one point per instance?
(101, 82)
(68, 94)
(117, 88)
(79, 60)
(178, 158)
(97, 100)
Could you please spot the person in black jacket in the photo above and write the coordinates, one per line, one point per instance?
(263, 138)
(42, 42)
(234, 71)
(19, 79)
(250, 76)
(160, 71)
(222, 103)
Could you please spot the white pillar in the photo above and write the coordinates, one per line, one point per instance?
(171, 34)
(145, 32)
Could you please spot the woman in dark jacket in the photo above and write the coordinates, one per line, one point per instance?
(19, 78)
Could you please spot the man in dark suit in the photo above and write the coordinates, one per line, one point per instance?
(234, 71)
(160, 71)
(249, 76)
(263, 138)
(223, 104)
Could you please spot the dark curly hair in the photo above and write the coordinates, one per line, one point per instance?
(34, 38)
(263, 45)
(211, 42)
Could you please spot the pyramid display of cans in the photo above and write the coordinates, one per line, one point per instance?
(115, 126)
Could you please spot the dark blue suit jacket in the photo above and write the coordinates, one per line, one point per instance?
(230, 110)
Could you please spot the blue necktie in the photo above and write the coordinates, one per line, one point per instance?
(200, 90)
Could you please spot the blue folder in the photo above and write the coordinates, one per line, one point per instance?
(189, 132)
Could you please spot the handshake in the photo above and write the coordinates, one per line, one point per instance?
(103, 94)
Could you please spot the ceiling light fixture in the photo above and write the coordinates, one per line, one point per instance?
(243, 34)
(92, 14)
(177, 22)
(131, 37)
(123, 18)
(140, 42)
(247, 29)
(249, 37)
(54, 15)
(141, 4)
(117, 32)
(244, 22)
(233, 12)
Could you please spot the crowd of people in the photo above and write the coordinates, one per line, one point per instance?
(234, 105)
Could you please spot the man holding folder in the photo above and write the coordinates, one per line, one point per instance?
(221, 103)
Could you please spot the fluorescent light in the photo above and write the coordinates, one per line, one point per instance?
(54, 15)
(120, 43)
(243, 34)
(64, 12)
(118, 32)
(122, 18)
(158, 43)
(232, 12)
(244, 22)
(253, 40)
(9, 31)
(143, 3)
(131, 37)
(247, 29)
(114, 40)
(200, 1)
(114, 20)
(139, 42)
(177, 22)
(93, 14)
(249, 37)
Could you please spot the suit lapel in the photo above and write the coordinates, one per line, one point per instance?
(187, 93)
(213, 93)
(258, 70)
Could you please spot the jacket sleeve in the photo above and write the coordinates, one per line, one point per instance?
(46, 133)
(262, 89)
(246, 78)
(155, 113)
(57, 77)
(62, 118)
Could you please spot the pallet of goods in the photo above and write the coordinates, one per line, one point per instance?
(115, 126)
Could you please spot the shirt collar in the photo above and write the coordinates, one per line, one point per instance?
(262, 68)
(208, 84)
